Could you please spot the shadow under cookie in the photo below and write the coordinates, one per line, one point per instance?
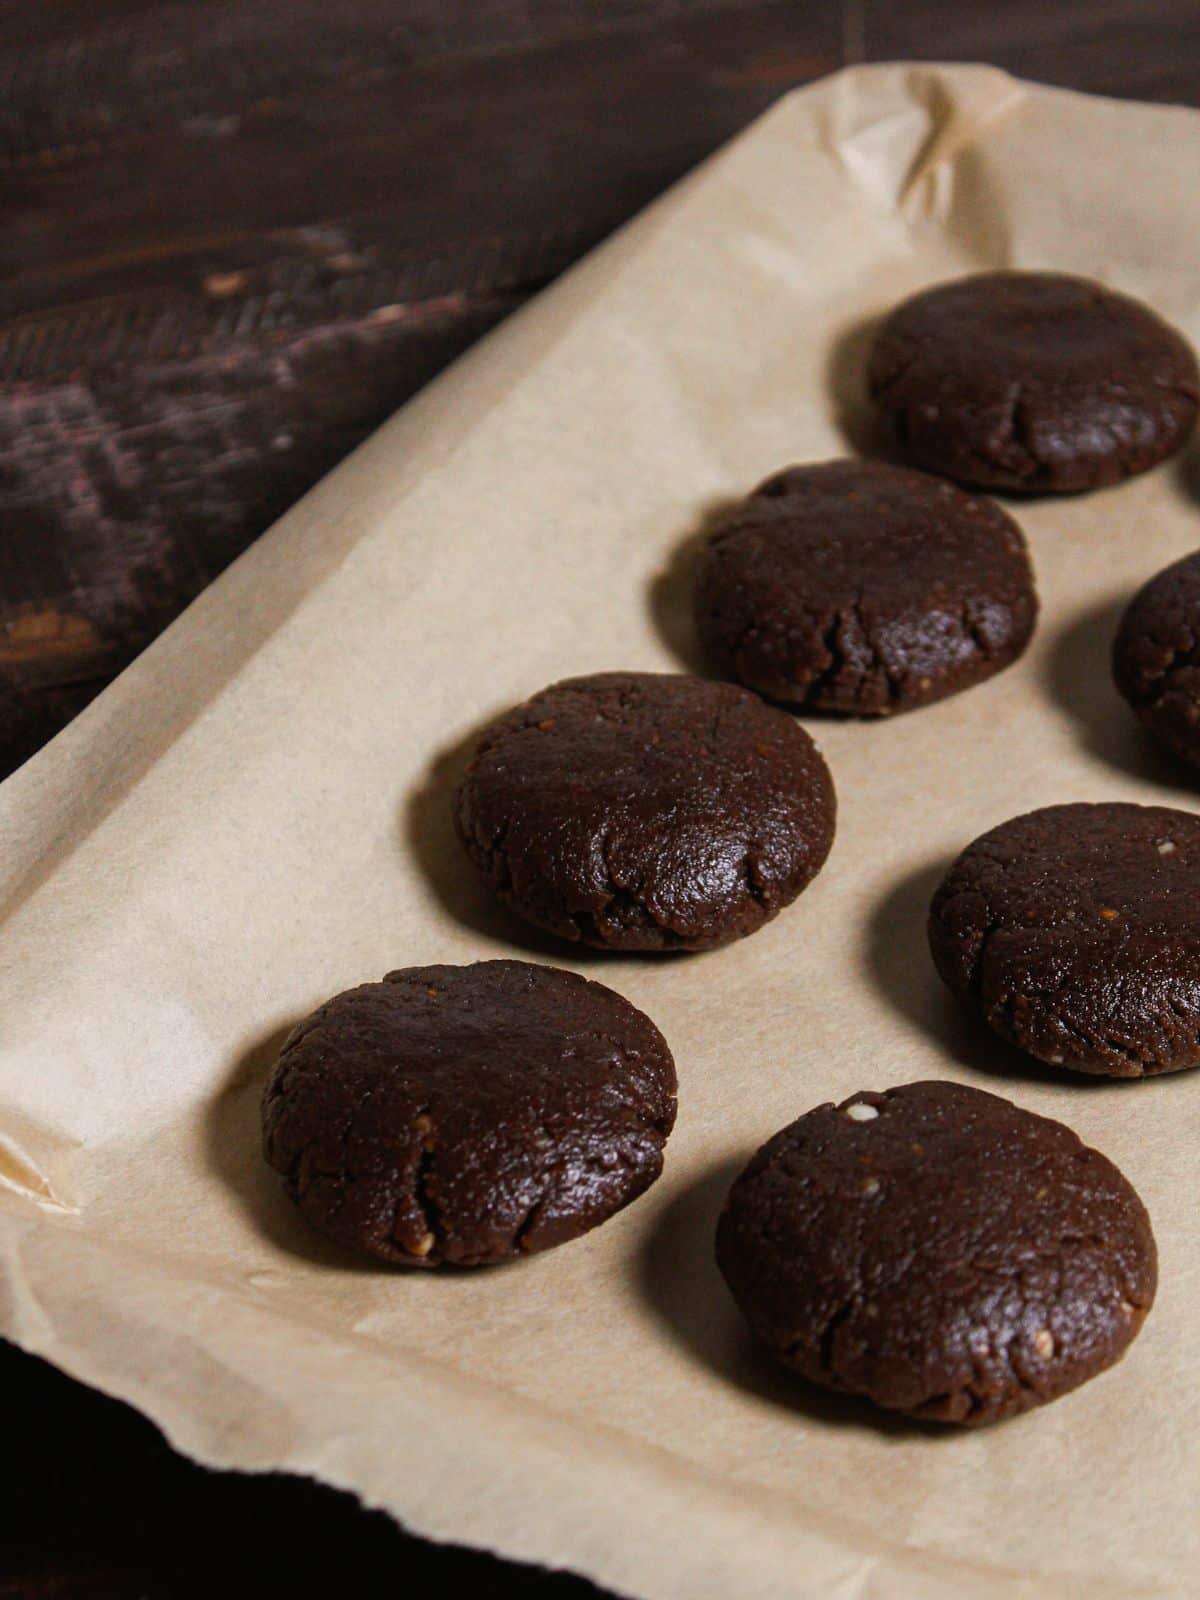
(677, 1277)
(428, 834)
(233, 1139)
(863, 426)
(670, 596)
(899, 964)
(1078, 677)
(1188, 473)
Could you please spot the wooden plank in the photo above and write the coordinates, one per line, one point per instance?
(215, 281)
(1141, 49)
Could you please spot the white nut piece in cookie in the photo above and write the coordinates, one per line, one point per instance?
(860, 1111)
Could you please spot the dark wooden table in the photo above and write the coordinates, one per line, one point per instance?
(236, 235)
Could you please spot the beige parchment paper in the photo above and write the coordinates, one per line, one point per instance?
(256, 815)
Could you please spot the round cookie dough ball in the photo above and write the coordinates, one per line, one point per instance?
(1074, 932)
(856, 587)
(637, 811)
(939, 1251)
(1156, 657)
(468, 1115)
(1033, 381)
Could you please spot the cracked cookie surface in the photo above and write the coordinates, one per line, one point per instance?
(644, 811)
(468, 1115)
(862, 588)
(1033, 381)
(1074, 932)
(939, 1251)
(1156, 657)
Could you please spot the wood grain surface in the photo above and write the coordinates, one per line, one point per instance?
(236, 235)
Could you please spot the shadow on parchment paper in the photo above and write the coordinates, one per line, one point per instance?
(900, 964)
(427, 832)
(862, 424)
(670, 592)
(865, 432)
(1079, 678)
(678, 1278)
(234, 1149)
(1188, 470)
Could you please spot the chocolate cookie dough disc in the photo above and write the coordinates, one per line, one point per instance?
(856, 587)
(1156, 657)
(1033, 381)
(1074, 932)
(938, 1250)
(636, 811)
(469, 1114)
